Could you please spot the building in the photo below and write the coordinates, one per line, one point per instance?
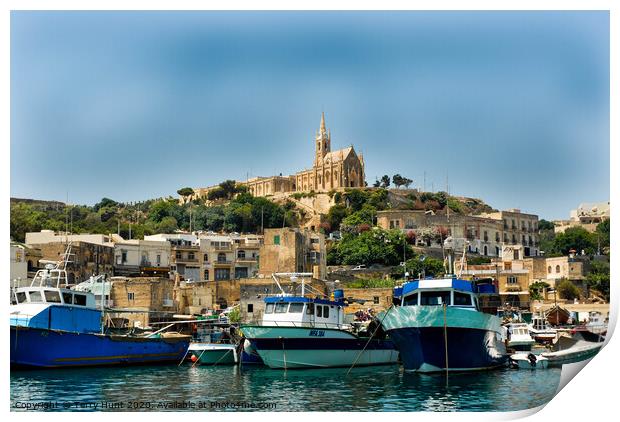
(493, 234)
(331, 170)
(293, 250)
(513, 281)
(134, 258)
(185, 256)
(144, 299)
(226, 257)
(587, 215)
(19, 265)
(49, 236)
(86, 259)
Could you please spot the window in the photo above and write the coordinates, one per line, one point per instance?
(52, 296)
(325, 311)
(296, 308)
(21, 297)
(67, 298)
(241, 272)
(222, 274)
(281, 308)
(549, 269)
(206, 274)
(269, 308)
(80, 300)
(205, 258)
(158, 259)
(375, 300)
(434, 298)
(35, 296)
(310, 309)
(123, 257)
(130, 296)
(411, 300)
(276, 239)
(462, 299)
(221, 257)
(319, 311)
(557, 268)
(190, 255)
(250, 308)
(179, 255)
(512, 279)
(240, 254)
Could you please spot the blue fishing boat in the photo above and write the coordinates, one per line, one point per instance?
(438, 325)
(309, 332)
(53, 326)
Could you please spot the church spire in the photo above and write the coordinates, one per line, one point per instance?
(322, 122)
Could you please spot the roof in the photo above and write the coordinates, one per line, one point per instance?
(338, 155)
(299, 299)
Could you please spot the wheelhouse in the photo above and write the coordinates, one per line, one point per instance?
(53, 296)
(438, 292)
(303, 311)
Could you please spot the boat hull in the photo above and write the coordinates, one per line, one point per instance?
(214, 354)
(292, 347)
(35, 347)
(521, 345)
(430, 340)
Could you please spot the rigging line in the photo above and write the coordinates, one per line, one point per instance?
(370, 338)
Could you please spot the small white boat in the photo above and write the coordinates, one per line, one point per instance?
(214, 353)
(528, 361)
(570, 350)
(541, 331)
(519, 337)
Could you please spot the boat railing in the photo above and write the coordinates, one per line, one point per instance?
(300, 324)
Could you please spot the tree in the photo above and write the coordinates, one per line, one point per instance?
(385, 181)
(602, 235)
(105, 202)
(567, 290)
(598, 278)
(397, 179)
(426, 265)
(376, 246)
(545, 225)
(537, 288)
(185, 191)
(377, 183)
(576, 238)
(335, 215)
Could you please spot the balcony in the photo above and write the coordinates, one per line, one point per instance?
(182, 260)
(222, 263)
(227, 247)
(247, 259)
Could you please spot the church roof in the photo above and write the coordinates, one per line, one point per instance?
(338, 155)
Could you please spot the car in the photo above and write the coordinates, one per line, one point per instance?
(359, 267)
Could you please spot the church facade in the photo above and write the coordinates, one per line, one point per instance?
(331, 170)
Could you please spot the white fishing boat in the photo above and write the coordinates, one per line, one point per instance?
(519, 337)
(528, 361)
(306, 332)
(541, 331)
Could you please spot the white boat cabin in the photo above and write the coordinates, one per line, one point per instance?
(438, 292)
(296, 311)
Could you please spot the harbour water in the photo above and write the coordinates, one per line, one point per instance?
(226, 388)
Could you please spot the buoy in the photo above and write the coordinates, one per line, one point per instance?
(193, 358)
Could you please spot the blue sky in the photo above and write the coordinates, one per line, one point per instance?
(512, 106)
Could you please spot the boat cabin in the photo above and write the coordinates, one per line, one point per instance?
(438, 292)
(297, 311)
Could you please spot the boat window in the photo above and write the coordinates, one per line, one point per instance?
(296, 308)
(411, 300)
(281, 308)
(67, 298)
(310, 309)
(269, 308)
(319, 311)
(476, 303)
(79, 300)
(325, 311)
(21, 297)
(52, 296)
(462, 299)
(434, 298)
(35, 296)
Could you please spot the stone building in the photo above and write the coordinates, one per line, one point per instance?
(86, 259)
(144, 299)
(492, 234)
(587, 215)
(228, 257)
(513, 281)
(293, 250)
(142, 258)
(331, 170)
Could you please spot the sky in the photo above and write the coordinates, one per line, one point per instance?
(509, 107)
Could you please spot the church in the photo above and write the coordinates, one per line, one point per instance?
(331, 170)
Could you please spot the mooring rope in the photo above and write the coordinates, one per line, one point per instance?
(370, 338)
(445, 333)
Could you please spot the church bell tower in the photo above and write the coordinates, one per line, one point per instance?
(322, 143)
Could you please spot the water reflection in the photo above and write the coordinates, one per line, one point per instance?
(386, 388)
